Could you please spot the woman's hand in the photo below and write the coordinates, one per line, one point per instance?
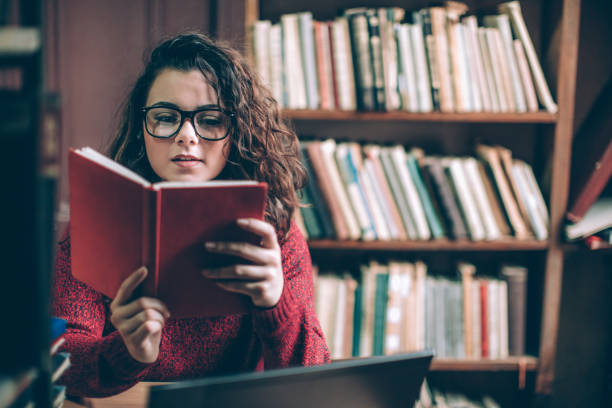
(140, 321)
(263, 280)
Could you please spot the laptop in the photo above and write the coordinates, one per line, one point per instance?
(376, 382)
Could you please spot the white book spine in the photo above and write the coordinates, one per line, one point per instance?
(384, 205)
(326, 58)
(471, 62)
(380, 225)
(536, 191)
(465, 198)
(481, 199)
(343, 63)
(477, 321)
(526, 80)
(537, 223)
(500, 71)
(467, 89)
(493, 318)
(293, 65)
(261, 50)
(513, 9)
(421, 277)
(308, 58)
(502, 23)
(276, 64)
(407, 77)
(422, 72)
(340, 320)
(477, 64)
(488, 67)
(398, 155)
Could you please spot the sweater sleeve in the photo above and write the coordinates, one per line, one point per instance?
(100, 362)
(290, 331)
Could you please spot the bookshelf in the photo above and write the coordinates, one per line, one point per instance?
(30, 182)
(543, 137)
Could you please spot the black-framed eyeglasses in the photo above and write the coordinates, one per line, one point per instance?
(164, 122)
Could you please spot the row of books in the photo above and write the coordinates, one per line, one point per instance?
(398, 307)
(374, 192)
(369, 59)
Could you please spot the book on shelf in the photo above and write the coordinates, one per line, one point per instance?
(389, 192)
(400, 307)
(112, 237)
(597, 218)
(369, 59)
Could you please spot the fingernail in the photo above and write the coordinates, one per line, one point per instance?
(142, 270)
(210, 245)
(242, 221)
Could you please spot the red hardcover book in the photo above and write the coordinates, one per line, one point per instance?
(119, 222)
(484, 331)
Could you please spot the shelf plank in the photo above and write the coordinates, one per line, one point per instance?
(508, 364)
(436, 245)
(476, 117)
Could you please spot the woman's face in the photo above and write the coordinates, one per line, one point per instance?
(184, 156)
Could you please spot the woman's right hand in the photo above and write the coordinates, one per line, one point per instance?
(139, 321)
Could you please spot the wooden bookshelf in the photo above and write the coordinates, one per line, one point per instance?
(481, 117)
(435, 245)
(509, 364)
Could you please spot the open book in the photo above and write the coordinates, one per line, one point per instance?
(119, 221)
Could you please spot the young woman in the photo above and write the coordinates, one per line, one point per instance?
(199, 113)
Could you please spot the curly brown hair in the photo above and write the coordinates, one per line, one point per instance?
(262, 146)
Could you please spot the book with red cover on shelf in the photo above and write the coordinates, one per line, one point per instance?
(120, 221)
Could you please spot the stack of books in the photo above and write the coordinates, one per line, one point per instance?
(386, 59)
(399, 307)
(374, 192)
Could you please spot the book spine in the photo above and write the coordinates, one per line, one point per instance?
(407, 80)
(526, 80)
(421, 70)
(306, 36)
(516, 278)
(438, 26)
(481, 36)
(424, 20)
(360, 41)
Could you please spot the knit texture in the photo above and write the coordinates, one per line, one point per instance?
(288, 334)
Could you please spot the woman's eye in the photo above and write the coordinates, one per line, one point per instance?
(209, 121)
(165, 119)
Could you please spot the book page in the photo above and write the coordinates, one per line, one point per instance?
(112, 165)
(197, 184)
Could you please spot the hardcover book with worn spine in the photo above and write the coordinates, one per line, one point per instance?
(120, 221)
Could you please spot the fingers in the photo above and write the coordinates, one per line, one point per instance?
(261, 228)
(144, 317)
(147, 329)
(128, 285)
(240, 272)
(139, 305)
(255, 254)
(255, 290)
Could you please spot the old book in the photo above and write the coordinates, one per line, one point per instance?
(420, 269)
(395, 314)
(538, 223)
(505, 156)
(370, 195)
(493, 323)
(513, 10)
(430, 192)
(407, 79)
(328, 148)
(276, 64)
(502, 81)
(477, 65)
(397, 191)
(476, 321)
(351, 287)
(368, 297)
(481, 199)
(423, 20)
(377, 59)
(516, 278)
(481, 34)
(421, 67)
(502, 23)
(535, 190)
(354, 191)
(493, 198)
(375, 168)
(445, 196)
(327, 190)
(531, 98)
(339, 309)
(343, 65)
(491, 156)
(454, 10)
(399, 159)
(333, 65)
(362, 58)
(438, 27)
(467, 271)
(387, 16)
(261, 49)
(467, 204)
(484, 318)
(307, 48)
(435, 226)
(146, 227)
(324, 69)
(596, 219)
(295, 84)
(314, 193)
(307, 219)
(503, 318)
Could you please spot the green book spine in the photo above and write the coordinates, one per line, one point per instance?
(311, 220)
(434, 223)
(380, 313)
(357, 316)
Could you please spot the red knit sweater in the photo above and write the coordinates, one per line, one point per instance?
(288, 334)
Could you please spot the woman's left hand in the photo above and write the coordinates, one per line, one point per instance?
(263, 280)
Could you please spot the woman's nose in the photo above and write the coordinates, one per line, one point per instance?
(187, 133)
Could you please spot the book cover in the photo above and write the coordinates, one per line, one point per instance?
(119, 222)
